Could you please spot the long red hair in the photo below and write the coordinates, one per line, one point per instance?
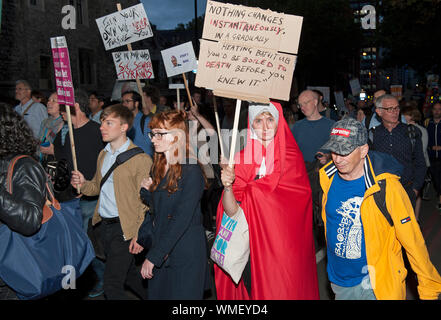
(171, 120)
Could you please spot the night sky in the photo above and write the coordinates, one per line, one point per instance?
(167, 14)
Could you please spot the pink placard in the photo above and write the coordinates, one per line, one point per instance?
(63, 75)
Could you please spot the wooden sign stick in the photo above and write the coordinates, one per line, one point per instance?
(138, 83)
(235, 129)
(188, 91)
(178, 99)
(72, 142)
(216, 115)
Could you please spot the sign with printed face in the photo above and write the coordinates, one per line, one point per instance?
(124, 27)
(63, 75)
(179, 59)
(132, 65)
(251, 53)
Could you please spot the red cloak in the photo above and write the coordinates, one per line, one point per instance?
(278, 209)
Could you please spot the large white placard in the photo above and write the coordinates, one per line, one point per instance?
(124, 27)
(132, 65)
(179, 59)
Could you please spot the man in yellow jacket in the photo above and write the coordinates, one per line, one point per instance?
(368, 218)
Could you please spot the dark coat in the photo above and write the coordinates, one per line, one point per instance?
(178, 249)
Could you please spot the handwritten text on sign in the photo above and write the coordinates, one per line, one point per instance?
(245, 69)
(254, 26)
(63, 76)
(124, 27)
(132, 65)
(251, 54)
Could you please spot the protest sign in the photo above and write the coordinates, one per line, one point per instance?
(176, 86)
(65, 89)
(121, 86)
(252, 26)
(179, 59)
(63, 76)
(131, 65)
(124, 27)
(396, 90)
(325, 92)
(355, 86)
(340, 101)
(251, 54)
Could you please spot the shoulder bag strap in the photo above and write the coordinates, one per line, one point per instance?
(27, 109)
(120, 159)
(144, 116)
(47, 212)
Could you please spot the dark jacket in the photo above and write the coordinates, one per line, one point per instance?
(434, 137)
(23, 210)
(178, 249)
(399, 144)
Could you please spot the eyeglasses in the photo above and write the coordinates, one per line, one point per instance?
(157, 135)
(299, 105)
(391, 109)
(127, 100)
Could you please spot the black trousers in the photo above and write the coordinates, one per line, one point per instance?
(411, 194)
(435, 171)
(121, 267)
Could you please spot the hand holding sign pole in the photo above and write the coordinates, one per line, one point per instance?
(188, 91)
(235, 130)
(64, 84)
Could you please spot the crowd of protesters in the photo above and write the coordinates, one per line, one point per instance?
(287, 189)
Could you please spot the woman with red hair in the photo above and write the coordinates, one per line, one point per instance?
(176, 264)
(269, 182)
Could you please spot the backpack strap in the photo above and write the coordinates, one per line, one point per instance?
(371, 134)
(120, 159)
(380, 201)
(411, 132)
(144, 116)
(367, 121)
(27, 109)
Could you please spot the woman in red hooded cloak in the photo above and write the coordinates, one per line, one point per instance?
(272, 187)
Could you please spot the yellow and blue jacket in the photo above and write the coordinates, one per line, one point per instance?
(384, 240)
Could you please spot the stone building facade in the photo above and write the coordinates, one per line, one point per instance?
(25, 51)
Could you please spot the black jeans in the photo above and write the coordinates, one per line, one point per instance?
(412, 196)
(120, 264)
(435, 171)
